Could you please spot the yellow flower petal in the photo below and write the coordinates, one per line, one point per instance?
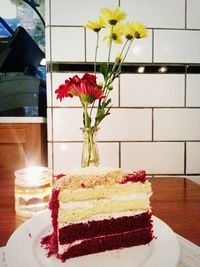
(129, 30)
(95, 26)
(114, 32)
(113, 16)
(140, 30)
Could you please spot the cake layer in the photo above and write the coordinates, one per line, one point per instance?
(79, 231)
(101, 192)
(95, 245)
(105, 216)
(77, 214)
(94, 202)
(90, 180)
(94, 177)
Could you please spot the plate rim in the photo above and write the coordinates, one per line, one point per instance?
(46, 218)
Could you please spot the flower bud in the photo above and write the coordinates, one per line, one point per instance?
(100, 84)
(110, 87)
(118, 59)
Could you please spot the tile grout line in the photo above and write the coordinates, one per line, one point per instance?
(152, 124)
(149, 28)
(132, 107)
(152, 45)
(129, 141)
(119, 154)
(85, 50)
(185, 14)
(51, 81)
(185, 89)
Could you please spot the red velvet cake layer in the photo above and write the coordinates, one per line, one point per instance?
(79, 231)
(101, 244)
(50, 242)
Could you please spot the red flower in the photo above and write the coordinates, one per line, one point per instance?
(86, 88)
(90, 78)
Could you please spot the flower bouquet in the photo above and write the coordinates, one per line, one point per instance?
(95, 96)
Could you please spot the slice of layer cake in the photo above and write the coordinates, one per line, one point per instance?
(95, 209)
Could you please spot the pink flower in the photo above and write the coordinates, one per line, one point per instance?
(86, 88)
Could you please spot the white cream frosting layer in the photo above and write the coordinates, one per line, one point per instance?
(64, 248)
(92, 203)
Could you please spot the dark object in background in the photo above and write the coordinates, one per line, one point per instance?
(22, 92)
(19, 52)
(22, 95)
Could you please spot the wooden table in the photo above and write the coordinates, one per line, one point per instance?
(176, 201)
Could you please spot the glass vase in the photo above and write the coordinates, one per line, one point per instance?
(90, 154)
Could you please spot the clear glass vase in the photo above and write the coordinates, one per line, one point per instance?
(90, 154)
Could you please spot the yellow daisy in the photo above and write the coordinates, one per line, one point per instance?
(95, 26)
(115, 33)
(129, 30)
(112, 16)
(140, 30)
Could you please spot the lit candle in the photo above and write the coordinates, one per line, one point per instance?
(32, 191)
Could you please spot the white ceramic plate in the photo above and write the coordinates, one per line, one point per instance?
(23, 249)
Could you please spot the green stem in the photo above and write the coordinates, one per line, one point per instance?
(95, 67)
(86, 116)
(89, 140)
(110, 78)
(118, 69)
(95, 57)
(110, 45)
(127, 50)
(116, 62)
(90, 152)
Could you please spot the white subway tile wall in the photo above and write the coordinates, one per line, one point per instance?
(47, 12)
(141, 51)
(49, 93)
(193, 18)
(193, 157)
(156, 13)
(68, 155)
(48, 45)
(155, 120)
(127, 124)
(152, 90)
(193, 90)
(154, 157)
(77, 12)
(177, 124)
(177, 46)
(67, 44)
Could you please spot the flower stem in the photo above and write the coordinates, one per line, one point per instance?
(95, 57)
(110, 45)
(116, 62)
(86, 116)
(90, 152)
(127, 50)
(110, 78)
(89, 133)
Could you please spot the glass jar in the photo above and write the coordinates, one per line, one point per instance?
(32, 191)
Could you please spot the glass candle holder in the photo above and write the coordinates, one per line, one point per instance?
(32, 191)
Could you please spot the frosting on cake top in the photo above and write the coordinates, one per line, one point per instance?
(91, 177)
